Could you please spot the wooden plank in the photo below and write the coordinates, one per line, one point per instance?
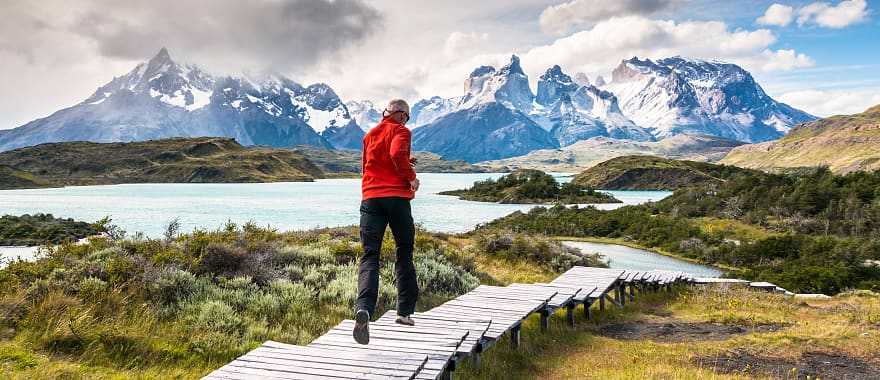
(379, 342)
(372, 356)
(401, 337)
(269, 352)
(383, 326)
(290, 363)
(294, 372)
(527, 308)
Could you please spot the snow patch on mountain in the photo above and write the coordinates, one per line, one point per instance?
(678, 95)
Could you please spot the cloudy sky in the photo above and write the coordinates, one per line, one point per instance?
(821, 56)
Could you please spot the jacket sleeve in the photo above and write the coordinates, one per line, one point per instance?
(400, 147)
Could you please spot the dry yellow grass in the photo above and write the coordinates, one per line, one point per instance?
(846, 325)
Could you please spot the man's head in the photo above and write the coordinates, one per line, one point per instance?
(397, 110)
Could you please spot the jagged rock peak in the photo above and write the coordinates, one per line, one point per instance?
(555, 73)
(582, 79)
(482, 70)
(513, 67)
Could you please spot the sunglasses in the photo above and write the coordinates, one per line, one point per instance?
(387, 113)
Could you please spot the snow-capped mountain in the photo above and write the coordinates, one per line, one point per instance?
(566, 109)
(426, 111)
(364, 113)
(579, 112)
(161, 98)
(486, 131)
(491, 120)
(677, 95)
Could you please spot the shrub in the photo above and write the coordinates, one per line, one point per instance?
(542, 250)
(435, 275)
(213, 315)
(221, 259)
(342, 288)
(92, 288)
(292, 295)
(173, 286)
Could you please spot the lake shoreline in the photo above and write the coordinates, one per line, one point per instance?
(287, 206)
(626, 243)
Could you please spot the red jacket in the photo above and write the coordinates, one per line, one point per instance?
(385, 164)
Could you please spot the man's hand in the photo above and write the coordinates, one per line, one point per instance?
(413, 161)
(414, 184)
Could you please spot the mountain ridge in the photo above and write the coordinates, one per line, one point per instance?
(161, 98)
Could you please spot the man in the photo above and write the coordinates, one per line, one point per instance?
(389, 183)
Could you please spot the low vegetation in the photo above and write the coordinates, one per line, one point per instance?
(39, 229)
(807, 231)
(700, 333)
(530, 186)
(185, 304)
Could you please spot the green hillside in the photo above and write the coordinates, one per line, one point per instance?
(183, 160)
(651, 173)
(530, 186)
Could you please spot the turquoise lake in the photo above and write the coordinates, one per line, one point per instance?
(148, 208)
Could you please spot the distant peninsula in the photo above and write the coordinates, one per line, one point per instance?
(347, 163)
(179, 160)
(653, 173)
(527, 186)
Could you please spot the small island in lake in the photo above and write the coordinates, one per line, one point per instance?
(530, 186)
(37, 229)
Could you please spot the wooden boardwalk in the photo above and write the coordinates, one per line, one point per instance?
(461, 328)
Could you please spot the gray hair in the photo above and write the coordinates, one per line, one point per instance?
(398, 105)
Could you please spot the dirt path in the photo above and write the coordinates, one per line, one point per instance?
(810, 365)
(670, 330)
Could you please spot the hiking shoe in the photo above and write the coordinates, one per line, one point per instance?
(405, 320)
(361, 331)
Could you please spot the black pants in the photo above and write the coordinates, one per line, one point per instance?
(376, 213)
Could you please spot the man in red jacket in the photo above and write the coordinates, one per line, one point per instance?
(389, 183)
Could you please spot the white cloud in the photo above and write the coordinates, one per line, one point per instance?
(561, 18)
(459, 43)
(842, 15)
(597, 50)
(777, 14)
(783, 60)
(832, 102)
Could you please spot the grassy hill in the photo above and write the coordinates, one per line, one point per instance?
(348, 162)
(843, 143)
(651, 173)
(530, 186)
(183, 160)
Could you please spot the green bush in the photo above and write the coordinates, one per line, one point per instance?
(213, 316)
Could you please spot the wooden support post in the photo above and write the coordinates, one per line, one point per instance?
(447, 375)
(632, 292)
(617, 292)
(569, 314)
(545, 319)
(602, 303)
(514, 336)
(476, 355)
(587, 305)
(621, 294)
